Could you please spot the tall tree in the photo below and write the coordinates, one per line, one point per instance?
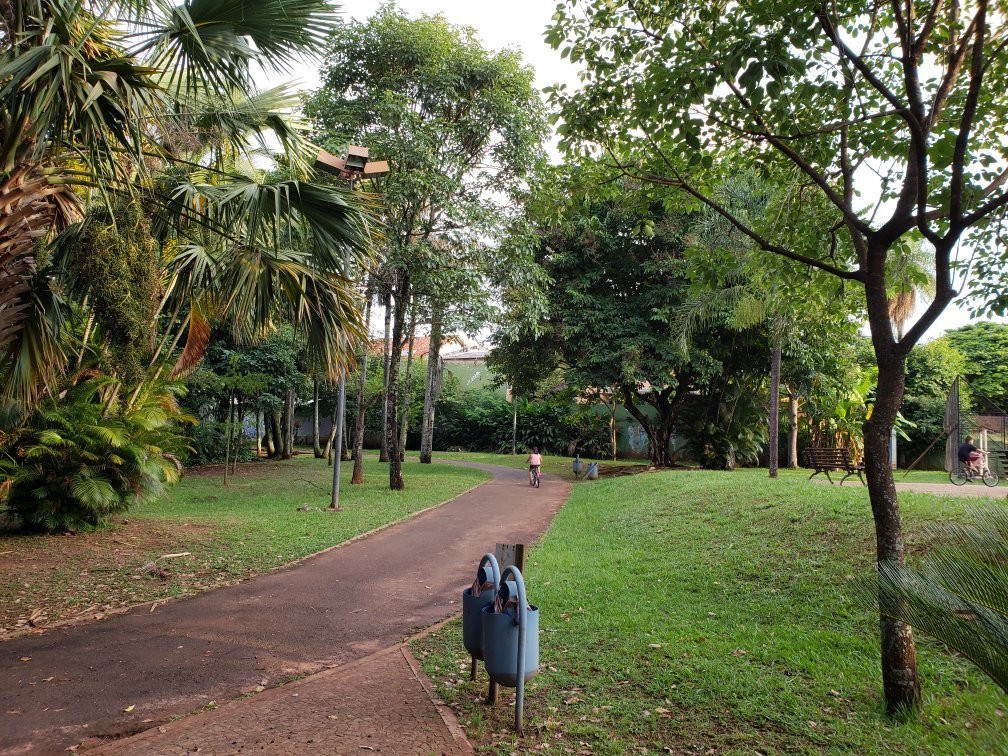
(985, 349)
(460, 125)
(897, 102)
(617, 270)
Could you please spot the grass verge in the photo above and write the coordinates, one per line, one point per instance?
(690, 611)
(231, 533)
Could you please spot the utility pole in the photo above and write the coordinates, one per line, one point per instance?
(352, 166)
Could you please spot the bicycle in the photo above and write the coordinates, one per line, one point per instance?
(961, 474)
(535, 477)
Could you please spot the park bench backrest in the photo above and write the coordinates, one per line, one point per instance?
(834, 458)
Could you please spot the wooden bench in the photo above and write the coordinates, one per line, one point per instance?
(824, 459)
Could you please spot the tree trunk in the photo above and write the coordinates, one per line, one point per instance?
(773, 418)
(288, 441)
(408, 392)
(392, 436)
(387, 354)
(659, 434)
(240, 433)
(899, 655)
(514, 422)
(227, 439)
(432, 387)
(792, 428)
(258, 433)
(276, 431)
(345, 446)
(327, 452)
(316, 445)
(358, 445)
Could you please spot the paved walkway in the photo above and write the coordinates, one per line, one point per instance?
(381, 703)
(970, 490)
(973, 490)
(337, 607)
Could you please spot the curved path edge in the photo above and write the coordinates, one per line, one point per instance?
(136, 671)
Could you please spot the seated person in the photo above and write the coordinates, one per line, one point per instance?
(969, 454)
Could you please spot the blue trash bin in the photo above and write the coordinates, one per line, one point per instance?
(472, 606)
(500, 642)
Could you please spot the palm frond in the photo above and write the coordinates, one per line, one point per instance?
(703, 309)
(959, 595)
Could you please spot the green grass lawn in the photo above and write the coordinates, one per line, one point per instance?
(246, 528)
(696, 610)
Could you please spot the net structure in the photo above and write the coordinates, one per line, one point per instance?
(969, 412)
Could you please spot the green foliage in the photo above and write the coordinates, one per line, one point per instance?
(156, 101)
(985, 348)
(118, 266)
(208, 442)
(482, 420)
(613, 301)
(931, 370)
(959, 595)
(460, 125)
(72, 464)
(727, 427)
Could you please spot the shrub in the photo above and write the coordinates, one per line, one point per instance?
(208, 444)
(72, 465)
(481, 420)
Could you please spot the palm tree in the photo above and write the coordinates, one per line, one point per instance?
(911, 276)
(156, 101)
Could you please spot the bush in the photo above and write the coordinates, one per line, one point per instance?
(208, 444)
(481, 420)
(72, 466)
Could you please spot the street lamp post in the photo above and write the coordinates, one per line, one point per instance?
(353, 166)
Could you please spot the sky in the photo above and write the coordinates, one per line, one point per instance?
(520, 24)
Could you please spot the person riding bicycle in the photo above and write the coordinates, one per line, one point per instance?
(969, 455)
(534, 462)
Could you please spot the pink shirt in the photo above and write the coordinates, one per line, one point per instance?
(535, 459)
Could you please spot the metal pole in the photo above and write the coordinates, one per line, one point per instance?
(522, 623)
(340, 403)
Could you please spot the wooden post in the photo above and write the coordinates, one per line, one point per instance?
(508, 554)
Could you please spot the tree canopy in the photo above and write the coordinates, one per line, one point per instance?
(891, 114)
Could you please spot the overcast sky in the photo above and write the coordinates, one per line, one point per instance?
(520, 24)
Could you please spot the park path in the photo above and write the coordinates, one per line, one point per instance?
(968, 491)
(334, 608)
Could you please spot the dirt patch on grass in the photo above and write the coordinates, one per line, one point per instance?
(105, 569)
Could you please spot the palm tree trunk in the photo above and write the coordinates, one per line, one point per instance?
(383, 451)
(432, 387)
